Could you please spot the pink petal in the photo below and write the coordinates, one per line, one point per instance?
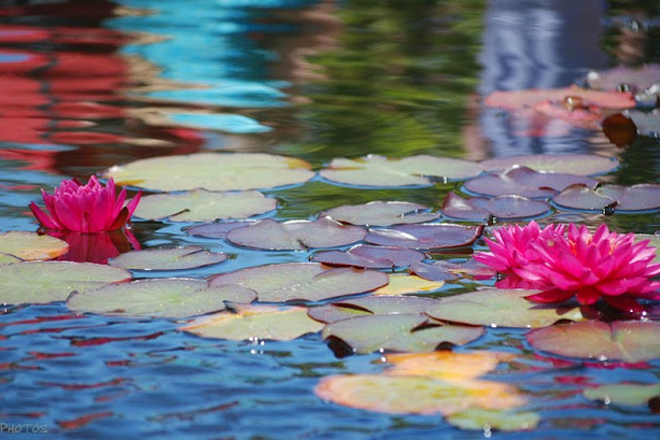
(43, 218)
(550, 296)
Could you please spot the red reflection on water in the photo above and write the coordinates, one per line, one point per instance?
(40, 356)
(98, 247)
(84, 420)
(81, 342)
(42, 319)
(84, 386)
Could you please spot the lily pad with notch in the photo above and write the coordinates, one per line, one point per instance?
(481, 209)
(178, 258)
(578, 164)
(31, 246)
(379, 213)
(614, 198)
(426, 236)
(164, 297)
(370, 257)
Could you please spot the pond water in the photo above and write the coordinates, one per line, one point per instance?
(90, 85)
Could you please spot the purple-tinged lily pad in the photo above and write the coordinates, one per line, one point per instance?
(302, 281)
(369, 305)
(578, 164)
(427, 236)
(380, 171)
(380, 213)
(179, 258)
(443, 270)
(433, 271)
(397, 332)
(501, 207)
(629, 341)
(524, 181)
(500, 308)
(212, 171)
(296, 234)
(624, 393)
(217, 230)
(30, 246)
(169, 297)
(204, 206)
(370, 257)
(41, 282)
(254, 323)
(648, 124)
(642, 197)
(637, 79)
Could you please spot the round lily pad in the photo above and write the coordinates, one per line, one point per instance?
(499, 308)
(379, 213)
(480, 209)
(296, 234)
(256, 322)
(416, 394)
(643, 197)
(172, 298)
(427, 236)
(579, 164)
(629, 341)
(380, 171)
(212, 171)
(624, 393)
(526, 182)
(370, 257)
(397, 332)
(204, 206)
(179, 258)
(41, 282)
(31, 246)
(302, 281)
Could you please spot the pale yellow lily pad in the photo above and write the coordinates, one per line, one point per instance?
(402, 284)
(30, 246)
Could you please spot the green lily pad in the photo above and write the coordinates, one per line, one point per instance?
(427, 236)
(578, 164)
(204, 206)
(629, 341)
(499, 308)
(370, 257)
(256, 322)
(296, 234)
(494, 419)
(41, 282)
(643, 197)
(302, 281)
(370, 305)
(172, 298)
(397, 332)
(379, 213)
(212, 171)
(380, 171)
(9, 259)
(179, 258)
(30, 246)
(624, 394)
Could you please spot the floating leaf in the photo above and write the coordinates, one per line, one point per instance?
(302, 281)
(403, 284)
(442, 270)
(217, 230)
(31, 246)
(172, 298)
(428, 236)
(620, 130)
(256, 322)
(380, 171)
(416, 394)
(579, 164)
(629, 341)
(499, 308)
(394, 332)
(524, 181)
(446, 365)
(179, 258)
(642, 197)
(212, 171)
(9, 259)
(204, 206)
(502, 420)
(41, 282)
(296, 234)
(370, 305)
(370, 257)
(379, 213)
(624, 394)
(521, 99)
(501, 207)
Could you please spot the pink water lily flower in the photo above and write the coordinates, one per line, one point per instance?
(566, 263)
(85, 208)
